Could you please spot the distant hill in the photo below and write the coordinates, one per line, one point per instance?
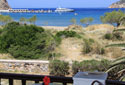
(4, 5)
(119, 4)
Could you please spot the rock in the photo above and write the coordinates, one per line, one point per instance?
(119, 4)
(4, 5)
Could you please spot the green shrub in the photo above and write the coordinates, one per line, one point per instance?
(114, 17)
(91, 40)
(108, 36)
(76, 66)
(114, 36)
(57, 39)
(104, 65)
(117, 35)
(102, 51)
(87, 48)
(98, 49)
(26, 41)
(59, 68)
(90, 65)
(67, 34)
(92, 46)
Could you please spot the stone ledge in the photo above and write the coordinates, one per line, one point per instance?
(23, 61)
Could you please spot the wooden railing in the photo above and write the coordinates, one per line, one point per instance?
(38, 78)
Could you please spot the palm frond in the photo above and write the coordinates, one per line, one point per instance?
(119, 30)
(111, 68)
(116, 45)
(122, 78)
(119, 62)
(118, 59)
(116, 63)
(123, 70)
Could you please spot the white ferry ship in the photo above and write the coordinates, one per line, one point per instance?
(64, 10)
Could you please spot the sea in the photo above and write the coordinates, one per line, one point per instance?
(63, 19)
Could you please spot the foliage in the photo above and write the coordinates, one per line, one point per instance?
(116, 45)
(118, 66)
(5, 19)
(91, 46)
(67, 34)
(113, 17)
(33, 19)
(116, 35)
(26, 41)
(23, 20)
(87, 46)
(108, 36)
(86, 21)
(90, 65)
(119, 30)
(122, 20)
(76, 66)
(73, 20)
(59, 68)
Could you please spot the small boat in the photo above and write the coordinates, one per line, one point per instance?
(64, 10)
(75, 14)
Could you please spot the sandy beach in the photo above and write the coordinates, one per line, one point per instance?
(58, 28)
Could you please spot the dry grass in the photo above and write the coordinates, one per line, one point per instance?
(102, 26)
(114, 52)
(6, 56)
(71, 50)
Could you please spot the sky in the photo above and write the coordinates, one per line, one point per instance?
(62, 3)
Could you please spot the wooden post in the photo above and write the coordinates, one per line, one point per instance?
(10, 81)
(23, 82)
(36, 81)
(64, 83)
(0, 81)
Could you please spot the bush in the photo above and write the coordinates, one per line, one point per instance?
(114, 36)
(59, 68)
(102, 51)
(67, 34)
(117, 35)
(104, 65)
(90, 65)
(26, 41)
(98, 49)
(91, 46)
(114, 17)
(76, 67)
(87, 48)
(108, 36)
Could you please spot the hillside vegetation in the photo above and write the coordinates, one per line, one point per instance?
(25, 41)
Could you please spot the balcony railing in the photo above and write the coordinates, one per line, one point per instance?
(38, 78)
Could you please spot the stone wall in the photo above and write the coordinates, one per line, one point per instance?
(27, 66)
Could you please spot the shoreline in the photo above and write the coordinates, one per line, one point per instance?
(59, 28)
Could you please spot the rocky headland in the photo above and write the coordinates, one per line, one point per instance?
(119, 4)
(4, 5)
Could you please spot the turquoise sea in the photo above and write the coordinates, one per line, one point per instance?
(63, 19)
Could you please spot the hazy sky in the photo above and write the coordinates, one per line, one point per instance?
(62, 3)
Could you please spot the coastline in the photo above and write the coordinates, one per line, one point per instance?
(59, 28)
